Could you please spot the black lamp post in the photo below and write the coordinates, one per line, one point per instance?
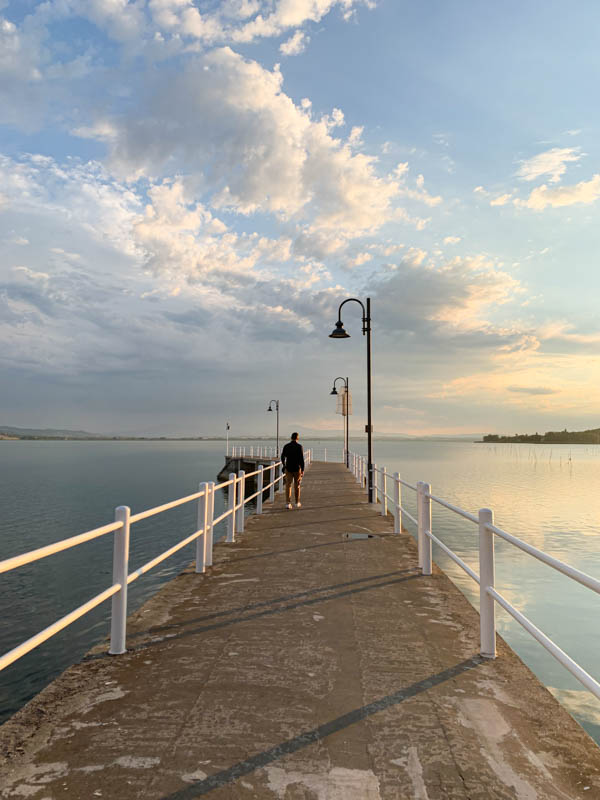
(339, 333)
(277, 410)
(346, 432)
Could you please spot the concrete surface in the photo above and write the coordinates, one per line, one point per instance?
(302, 666)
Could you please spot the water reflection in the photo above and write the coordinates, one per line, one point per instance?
(547, 496)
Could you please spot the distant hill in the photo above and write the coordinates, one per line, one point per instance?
(591, 436)
(46, 433)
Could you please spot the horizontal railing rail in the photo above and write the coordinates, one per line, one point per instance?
(253, 453)
(269, 480)
(488, 595)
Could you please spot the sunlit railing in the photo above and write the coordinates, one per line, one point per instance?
(268, 451)
(488, 594)
(269, 478)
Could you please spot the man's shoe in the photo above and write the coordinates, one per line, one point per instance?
(298, 505)
(289, 505)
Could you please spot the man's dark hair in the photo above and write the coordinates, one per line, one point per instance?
(294, 436)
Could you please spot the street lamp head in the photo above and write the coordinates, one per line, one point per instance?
(338, 332)
(333, 391)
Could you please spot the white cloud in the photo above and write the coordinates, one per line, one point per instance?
(233, 130)
(552, 162)
(360, 259)
(502, 200)
(420, 193)
(452, 239)
(585, 192)
(295, 45)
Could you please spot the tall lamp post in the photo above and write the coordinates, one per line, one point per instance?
(227, 426)
(339, 333)
(346, 432)
(277, 410)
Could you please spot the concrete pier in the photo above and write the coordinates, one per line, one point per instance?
(307, 664)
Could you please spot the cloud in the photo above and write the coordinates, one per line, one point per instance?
(585, 192)
(552, 162)
(227, 124)
(502, 200)
(533, 390)
(295, 45)
(452, 239)
(450, 300)
(420, 194)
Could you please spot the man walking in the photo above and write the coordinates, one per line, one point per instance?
(292, 458)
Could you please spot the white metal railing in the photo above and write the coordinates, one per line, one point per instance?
(269, 478)
(257, 452)
(488, 595)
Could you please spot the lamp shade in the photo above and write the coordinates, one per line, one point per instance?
(338, 332)
(333, 391)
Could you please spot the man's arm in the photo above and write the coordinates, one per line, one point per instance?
(301, 458)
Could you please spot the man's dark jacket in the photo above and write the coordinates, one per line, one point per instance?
(292, 457)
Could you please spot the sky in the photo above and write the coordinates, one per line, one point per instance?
(190, 188)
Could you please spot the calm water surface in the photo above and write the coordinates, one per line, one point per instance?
(547, 495)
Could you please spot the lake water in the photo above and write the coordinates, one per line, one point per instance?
(546, 495)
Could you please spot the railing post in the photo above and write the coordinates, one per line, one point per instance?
(280, 478)
(325, 455)
(202, 523)
(420, 525)
(425, 526)
(384, 500)
(259, 489)
(273, 482)
(211, 516)
(231, 518)
(118, 623)
(487, 605)
(397, 503)
(241, 500)
(375, 483)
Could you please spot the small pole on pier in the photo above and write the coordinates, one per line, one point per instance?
(487, 605)
(397, 503)
(231, 511)
(202, 524)
(426, 527)
(241, 500)
(384, 501)
(273, 482)
(118, 623)
(259, 488)
(211, 531)
(375, 483)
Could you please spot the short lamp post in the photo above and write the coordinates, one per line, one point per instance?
(339, 333)
(347, 401)
(270, 408)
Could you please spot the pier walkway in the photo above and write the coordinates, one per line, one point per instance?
(306, 664)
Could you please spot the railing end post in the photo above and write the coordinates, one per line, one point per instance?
(487, 604)
(118, 622)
